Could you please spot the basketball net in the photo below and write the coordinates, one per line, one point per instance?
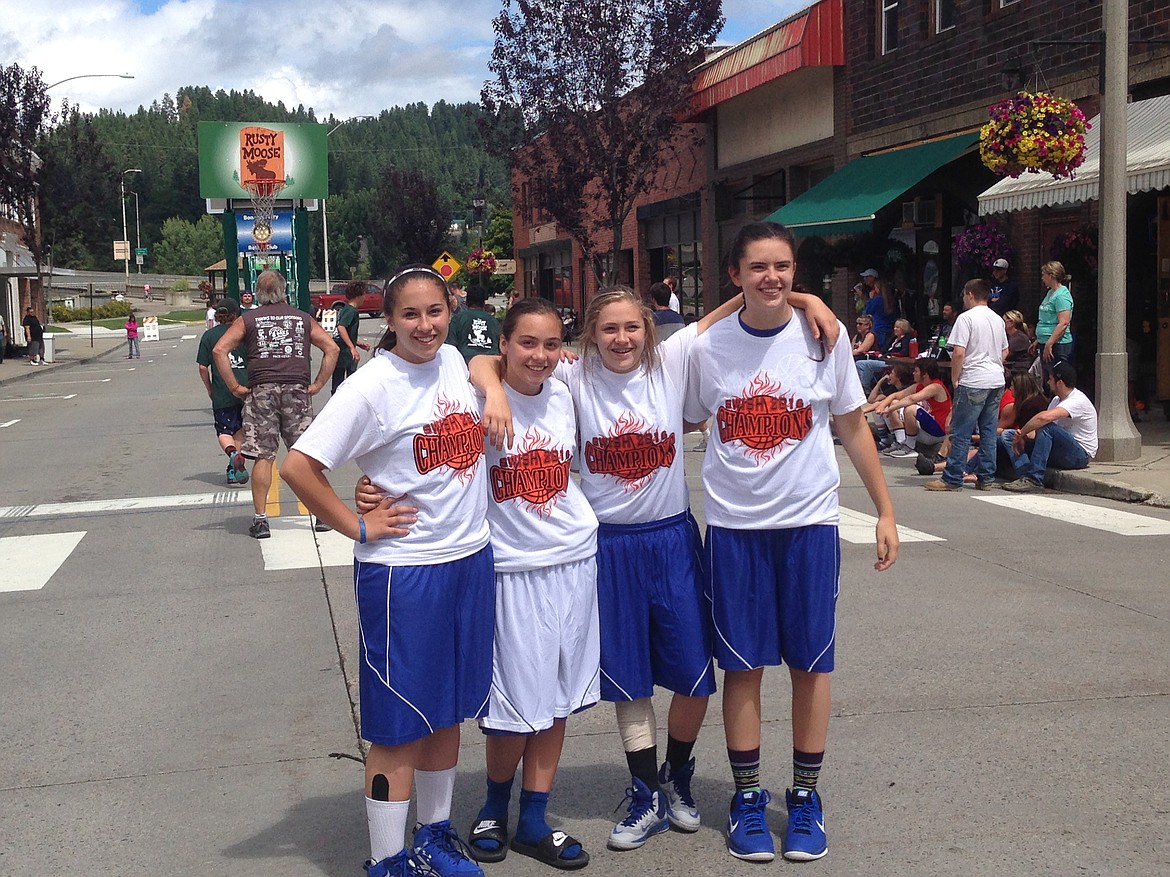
(264, 194)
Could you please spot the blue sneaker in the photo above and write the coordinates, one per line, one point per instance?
(804, 840)
(238, 465)
(646, 818)
(680, 806)
(438, 847)
(748, 837)
(400, 865)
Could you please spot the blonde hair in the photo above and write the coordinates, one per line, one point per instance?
(1018, 318)
(614, 295)
(1056, 271)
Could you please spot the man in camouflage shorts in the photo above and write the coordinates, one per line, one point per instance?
(278, 398)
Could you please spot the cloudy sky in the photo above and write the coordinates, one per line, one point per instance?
(340, 57)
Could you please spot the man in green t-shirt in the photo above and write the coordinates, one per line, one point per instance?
(473, 330)
(346, 334)
(226, 409)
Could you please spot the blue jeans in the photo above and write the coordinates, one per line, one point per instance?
(1053, 446)
(1062, 352)
(134, 348)
(973, 408)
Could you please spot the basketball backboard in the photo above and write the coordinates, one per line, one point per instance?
(235, 156)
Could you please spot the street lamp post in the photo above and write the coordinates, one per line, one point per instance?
(126, 251)
(137, 233)
(324, 213)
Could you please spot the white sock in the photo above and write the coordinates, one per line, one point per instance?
(900, 436)
(387, 823)
(911, 440)
(433, 790)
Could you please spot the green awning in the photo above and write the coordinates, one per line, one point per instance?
(848, 200)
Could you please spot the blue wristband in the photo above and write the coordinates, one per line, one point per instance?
(361, 530)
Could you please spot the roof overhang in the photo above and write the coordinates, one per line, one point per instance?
(847, 201)
(813, 37)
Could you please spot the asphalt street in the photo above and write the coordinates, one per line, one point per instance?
(176, 697)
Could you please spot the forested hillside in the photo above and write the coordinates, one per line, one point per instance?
(375, 164)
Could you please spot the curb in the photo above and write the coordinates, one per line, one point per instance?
(1071, 481)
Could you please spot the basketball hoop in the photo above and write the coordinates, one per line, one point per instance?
(264, 194)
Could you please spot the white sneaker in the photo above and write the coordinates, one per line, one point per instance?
(645, 818)
(680, 806)
(702, 445)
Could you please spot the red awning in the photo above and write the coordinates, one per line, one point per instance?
(811, 38)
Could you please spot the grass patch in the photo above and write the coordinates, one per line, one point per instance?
(195, 315)
(55, 329)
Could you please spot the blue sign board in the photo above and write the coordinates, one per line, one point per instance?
(280, 241)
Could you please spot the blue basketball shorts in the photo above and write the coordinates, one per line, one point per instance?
(426, 645)
(774, 596)
(655, 617)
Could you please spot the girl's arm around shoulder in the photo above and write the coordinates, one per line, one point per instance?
(486, 373)
(821, 320)
(858, 443)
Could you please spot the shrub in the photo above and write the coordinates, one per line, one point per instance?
(62, 314)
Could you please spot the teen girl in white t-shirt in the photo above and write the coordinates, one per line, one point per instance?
(411, 421)
(770, 477)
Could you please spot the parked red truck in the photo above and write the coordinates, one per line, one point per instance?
(370, 303)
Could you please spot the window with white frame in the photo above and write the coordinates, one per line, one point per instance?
(944, 15)
(889, 25)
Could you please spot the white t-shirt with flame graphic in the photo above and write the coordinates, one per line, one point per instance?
(414, 429)
(539, 517)
(631, 430)
(770, 461)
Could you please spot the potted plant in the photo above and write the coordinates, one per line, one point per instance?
(1034, 132)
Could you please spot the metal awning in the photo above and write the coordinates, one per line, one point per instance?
(1147, 165)
(847, 202)
(813, 37)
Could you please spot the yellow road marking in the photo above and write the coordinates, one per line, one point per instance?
(272, 504)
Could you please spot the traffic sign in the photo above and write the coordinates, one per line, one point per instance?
(140, 251)
(121, 250)
(446, 265)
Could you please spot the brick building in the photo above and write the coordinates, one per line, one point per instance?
(856, 121)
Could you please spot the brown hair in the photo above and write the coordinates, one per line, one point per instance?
(758, 231)
(613, 295)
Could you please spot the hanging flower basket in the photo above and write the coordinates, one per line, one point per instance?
(1034, 132)
(977, 246)
(481, 261)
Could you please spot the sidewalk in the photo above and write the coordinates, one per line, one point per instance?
(69, 348)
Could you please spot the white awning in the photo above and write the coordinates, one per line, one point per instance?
(1147, 165)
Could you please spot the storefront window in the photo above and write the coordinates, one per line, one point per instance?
(674, 248)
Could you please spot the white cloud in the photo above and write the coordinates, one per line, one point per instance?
(340, 57)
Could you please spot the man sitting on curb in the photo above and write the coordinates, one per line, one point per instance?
(1063, 437)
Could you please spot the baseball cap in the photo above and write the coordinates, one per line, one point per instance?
(246, 292)
(869, 272)
(228, 307)
(1000, 263)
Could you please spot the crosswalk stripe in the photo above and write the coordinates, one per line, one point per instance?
(1110, 520)
(294, 545)
(131, 504)
(28, 562)
(858, 528)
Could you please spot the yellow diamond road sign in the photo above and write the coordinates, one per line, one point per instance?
(446, 265)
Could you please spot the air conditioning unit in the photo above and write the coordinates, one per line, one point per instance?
(919, 212)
